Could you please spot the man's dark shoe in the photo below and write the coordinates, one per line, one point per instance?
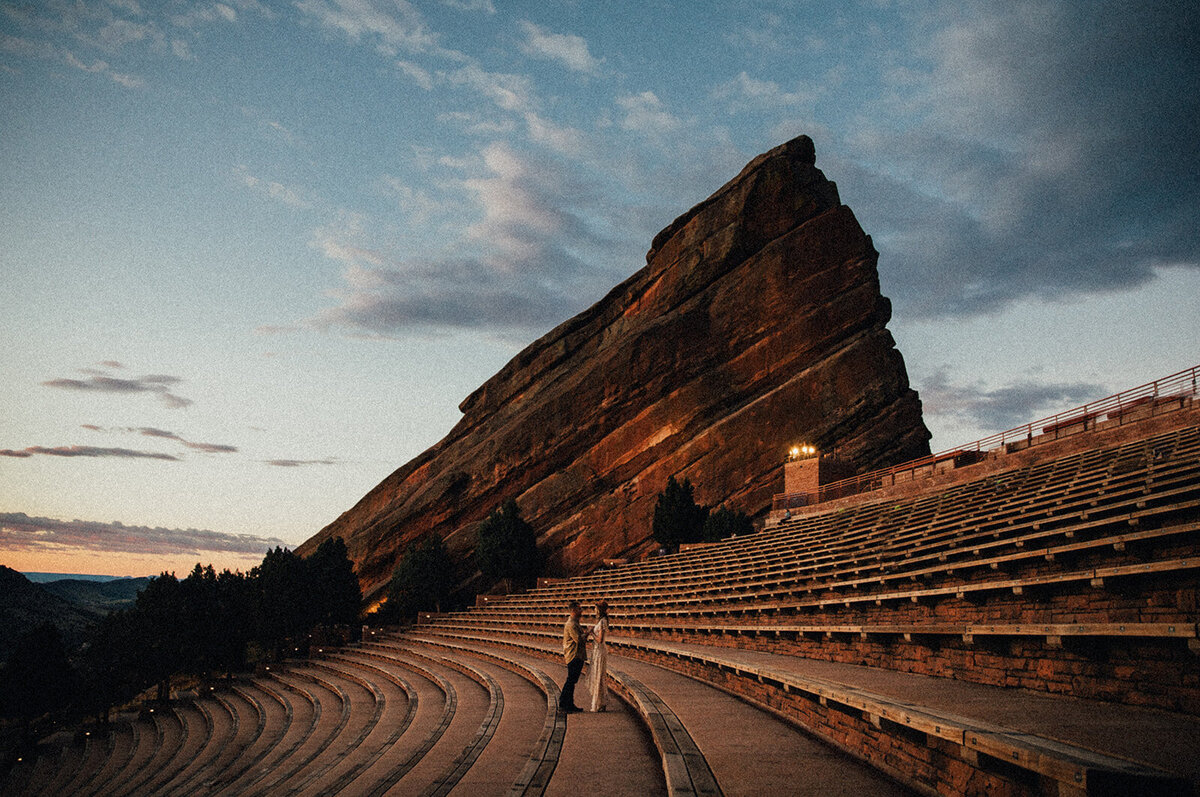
(571, 709)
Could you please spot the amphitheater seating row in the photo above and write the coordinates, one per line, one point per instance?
(894, 552)
(894, 544)
(1045, 764)
(359, 719)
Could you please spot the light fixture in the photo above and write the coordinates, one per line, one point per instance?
(802, 452)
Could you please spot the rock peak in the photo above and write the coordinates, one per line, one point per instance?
(756, 323)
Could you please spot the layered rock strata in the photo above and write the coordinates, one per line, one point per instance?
(756, 323)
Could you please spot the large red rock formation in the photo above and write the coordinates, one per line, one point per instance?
(756, 323)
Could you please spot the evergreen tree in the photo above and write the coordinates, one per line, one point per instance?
(235, 605)
(421, 581)
(201, 616)
(37, 679)
(285, 604)
(506, 547)
(160, 637)
(336, 593)
(677, 516)
(112, 673)
(723, 522)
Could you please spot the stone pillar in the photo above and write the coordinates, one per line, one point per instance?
(807, 475)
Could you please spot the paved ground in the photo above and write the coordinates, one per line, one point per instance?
(753, 752)
(1168, 741)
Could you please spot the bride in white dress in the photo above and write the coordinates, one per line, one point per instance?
(598, 689)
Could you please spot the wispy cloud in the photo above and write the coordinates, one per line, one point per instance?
(471, 5)
(394, 25)
(162, 434)
(569, 50)
(299, 463)
(416, 73)
(523, 270)
(87, 451)
(645, 113)
(101, 382)
(20, 532)
(99, 66)
(510, 92)
(745, 93)
(288, 195)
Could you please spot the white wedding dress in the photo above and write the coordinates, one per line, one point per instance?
(598, 690)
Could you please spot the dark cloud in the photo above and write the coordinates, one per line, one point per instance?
(1006, 407)
(1054, 153)
(18, 531)
(149, 431)
(87, 451)
(210, 448)
(299, 463)
(98, 381)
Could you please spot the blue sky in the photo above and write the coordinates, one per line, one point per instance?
(254, 253)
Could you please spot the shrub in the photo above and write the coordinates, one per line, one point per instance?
(421, 581)
(506, 547)
(677, 516)
(723, 522)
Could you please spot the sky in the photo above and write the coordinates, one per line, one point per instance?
(253, 254)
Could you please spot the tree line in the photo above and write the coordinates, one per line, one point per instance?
(205, 624)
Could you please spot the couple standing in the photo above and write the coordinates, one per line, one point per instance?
(575, 654)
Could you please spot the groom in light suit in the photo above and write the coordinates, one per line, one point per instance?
(574, 654)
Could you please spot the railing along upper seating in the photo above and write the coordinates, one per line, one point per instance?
(1162, 395)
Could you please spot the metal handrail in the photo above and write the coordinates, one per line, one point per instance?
(1153, 395)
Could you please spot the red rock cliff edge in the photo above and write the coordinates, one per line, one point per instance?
(756, 323)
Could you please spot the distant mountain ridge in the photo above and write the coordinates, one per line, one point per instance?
(97, 597)
(73, 606)
(46, 578)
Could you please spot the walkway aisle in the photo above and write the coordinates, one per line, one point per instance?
(750, 751)
(603, 753)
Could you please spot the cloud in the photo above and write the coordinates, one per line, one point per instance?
(1043, 151)
(517, 267)
(20, 532)
(416, 203)
(288, 195)
(299, 463)
(157, 384)
(397, 25)
(471, 5)
(645, 113)
(418, 75)
(1003, 408)
(208, 448)
(569, 50)
(87, 451)
(744, 93)
(508, 91)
